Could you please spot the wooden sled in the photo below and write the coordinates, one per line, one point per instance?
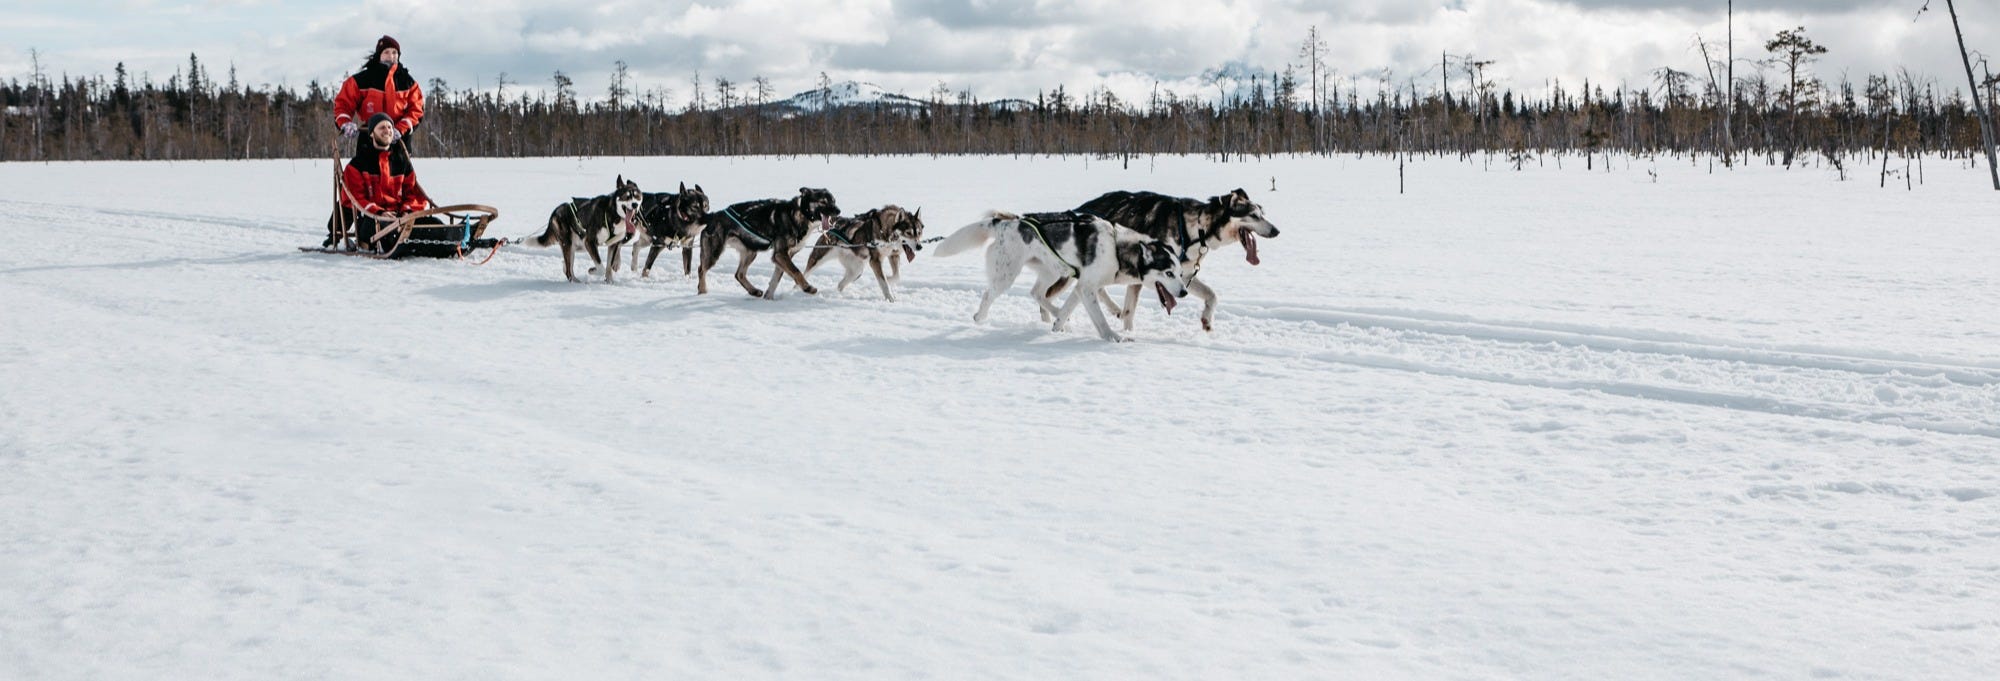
(462, 231)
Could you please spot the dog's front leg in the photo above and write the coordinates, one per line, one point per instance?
(1207, 296)
(1097, 317)
(687, 265)
(651, 256)
(596, 261)
(612, 267)
(1131, 308)
(896, 267)
(710, 254)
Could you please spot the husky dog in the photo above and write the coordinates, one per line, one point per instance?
(780, 226)
(1069, 246)
(868, 238)
(671, 221)
(1193, 226)
(610, 220)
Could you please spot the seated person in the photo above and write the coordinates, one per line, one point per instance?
(380, 181)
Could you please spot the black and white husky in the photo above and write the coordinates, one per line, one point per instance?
(780, 226)
(671, 221)
(1193, 226)
(1068, 246)
(610, 220)
(867, 239)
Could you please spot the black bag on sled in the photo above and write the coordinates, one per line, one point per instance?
(428, 238)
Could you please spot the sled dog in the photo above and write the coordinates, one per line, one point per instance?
(780, 226)
(1192, 226)
(671, 220)
(1089, 250)
(610, 220)
(867, 239)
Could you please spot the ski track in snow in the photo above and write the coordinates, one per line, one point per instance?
(229, 460)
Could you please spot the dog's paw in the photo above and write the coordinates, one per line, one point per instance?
(1115, 338)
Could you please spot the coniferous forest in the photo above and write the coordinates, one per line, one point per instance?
(1778, 113)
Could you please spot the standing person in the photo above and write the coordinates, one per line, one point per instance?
(382, 86)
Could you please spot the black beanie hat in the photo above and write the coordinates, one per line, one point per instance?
(384, 43)
(376, 120)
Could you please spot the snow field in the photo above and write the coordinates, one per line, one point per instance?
(1547, 424)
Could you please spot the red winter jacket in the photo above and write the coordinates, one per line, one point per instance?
(380, 88)
(380, 182)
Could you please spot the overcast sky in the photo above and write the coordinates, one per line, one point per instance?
(998, 48)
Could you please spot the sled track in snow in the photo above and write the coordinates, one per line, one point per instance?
(1945, 396)
(1924, 394)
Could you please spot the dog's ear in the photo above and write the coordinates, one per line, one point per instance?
(919, 214)
(621, 181)
(684, 187)
(697, 188)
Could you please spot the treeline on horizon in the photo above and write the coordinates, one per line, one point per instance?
(1304, 109)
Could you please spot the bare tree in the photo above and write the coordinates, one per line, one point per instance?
(1313, 52)
(621, 78)
(1985, 117)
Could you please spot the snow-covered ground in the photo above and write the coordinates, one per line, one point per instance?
(1550, 424)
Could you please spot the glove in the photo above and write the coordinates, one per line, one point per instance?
(349, 130)
(395, 134)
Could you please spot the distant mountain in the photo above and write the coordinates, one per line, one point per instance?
(850, 93)
(846, 94)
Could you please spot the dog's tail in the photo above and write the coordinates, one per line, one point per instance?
(973, 235)
(545, 239)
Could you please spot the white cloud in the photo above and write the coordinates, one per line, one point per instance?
(999, 48)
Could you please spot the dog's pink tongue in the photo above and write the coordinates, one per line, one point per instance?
(909, 254)
(1250, 248)
(1166, 300)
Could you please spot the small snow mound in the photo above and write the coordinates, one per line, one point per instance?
(1968, 493)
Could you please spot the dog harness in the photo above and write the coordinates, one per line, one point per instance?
(731, 214)
(1037, 224)
(837, 236)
